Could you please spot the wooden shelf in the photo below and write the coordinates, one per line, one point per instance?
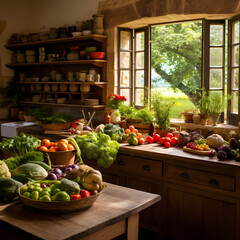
(95, 37)
(80, 93)
(58, 104)
(96, 62)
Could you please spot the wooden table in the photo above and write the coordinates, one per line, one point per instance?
(113, 214)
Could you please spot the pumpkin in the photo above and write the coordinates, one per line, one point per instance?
(215, 141)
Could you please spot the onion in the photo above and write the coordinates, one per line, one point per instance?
(74, 166)
(52, 176)
(68, 169)
(57, 171)
(43, 185)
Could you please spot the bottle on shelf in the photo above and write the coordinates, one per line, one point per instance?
(107, 118)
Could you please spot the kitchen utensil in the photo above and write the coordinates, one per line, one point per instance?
(74, 88)
(91, 125)
(97, 55)
(90, 49)
(87, 32)
(90, 78)
(58, 77)
(85, 88)
(89, 121)
(63, 88)
(76, 34)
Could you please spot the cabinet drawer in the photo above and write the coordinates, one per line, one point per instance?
(139, 165)
(204, 178)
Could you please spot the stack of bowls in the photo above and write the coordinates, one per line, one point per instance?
(74, 54)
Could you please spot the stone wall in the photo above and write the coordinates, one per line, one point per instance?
(140, 13)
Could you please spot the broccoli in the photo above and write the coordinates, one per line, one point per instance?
(114, 131)
(33, 157)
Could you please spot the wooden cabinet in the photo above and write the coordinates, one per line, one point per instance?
(33, 72)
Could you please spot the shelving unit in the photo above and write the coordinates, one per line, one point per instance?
(40, 69)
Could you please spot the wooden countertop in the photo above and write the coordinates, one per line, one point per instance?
(114, 204)
(152, 151)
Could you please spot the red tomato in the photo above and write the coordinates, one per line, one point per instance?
(131, 127)
(167, 144)
(174, 141)
(169, 135)
(70, 147)
(127, 131)
(140, 141)
(38, 147)
(75, 196)
(156, 138)
(52, 149)
(63, 140)
(139, 135)
(135, 131)
(43, 148)
(84, 193)
(162, 140)
(167, 139)
(175, 133)
(149, 139)
(46, 143)
(62, 146)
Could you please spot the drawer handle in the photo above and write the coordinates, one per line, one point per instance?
(185, 175)
(121, 163)
(146, 168)
(213, 182)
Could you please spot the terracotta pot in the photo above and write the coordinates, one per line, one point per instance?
(188, 117)
(204, 121)
(196, 119)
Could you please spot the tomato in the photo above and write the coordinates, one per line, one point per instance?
(62, 146)
(174, 141)
(149, 139)
(63, 140)
(55, 144)
(139, 135)
(167, 139)
(135, 131)
(84, 193)
(52, 144)
(162, 140)
(127, 131)
(46, 143)
(131, 127)
(175, 133)
(140, 141)
(156, 138)
(43, 149)
(38, 147)
(169, 135)
(53, 149)
(75, 196)
(70, 147)
(167, 144)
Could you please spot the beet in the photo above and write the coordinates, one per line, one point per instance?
(222, 155)
(226, 148)
(234, 143)
(212, 153)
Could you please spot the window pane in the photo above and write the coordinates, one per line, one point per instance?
(125, 40)
(216, 35)
(140, 41)
(236, 32)
(216, 57)
(126, 93)
(215, 78)
(139, 78)
(139, 60)
(139, 97)
(125, 78)
(236, 56)
(235, 78)
(234, 102)
(125, 60)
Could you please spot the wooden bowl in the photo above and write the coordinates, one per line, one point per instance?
(56, 126)
(61, 206)
(62, 157)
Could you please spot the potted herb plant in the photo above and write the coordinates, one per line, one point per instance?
(114, 101)
(162, 108)
(188, 115)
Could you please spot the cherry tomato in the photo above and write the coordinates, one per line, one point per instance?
(167, 139)
(156, 138)
(46, 143)
(131, 127)
(162, 140)
(63, 140)
(135, 131)
(84, 193)
(169, 135)
(62, 146)
(140, 141)
(174, 141)
(70, 147)
(167, 144)
(149, 139)
(38, 147)
(43, 149)
(127, 131)
(75, 196)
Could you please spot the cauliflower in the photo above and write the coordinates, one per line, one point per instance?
(4, 171)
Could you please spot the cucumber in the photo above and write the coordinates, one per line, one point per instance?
(42, 164)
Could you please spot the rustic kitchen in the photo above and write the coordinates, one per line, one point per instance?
(120, 119)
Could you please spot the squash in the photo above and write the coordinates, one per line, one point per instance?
(215, 141)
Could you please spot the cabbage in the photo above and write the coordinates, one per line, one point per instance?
(4, 171)
(31, 170)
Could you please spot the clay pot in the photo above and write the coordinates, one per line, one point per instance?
(188, 117)
(85, 88)
(214, 119)
(204, 121)
(196, 119)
